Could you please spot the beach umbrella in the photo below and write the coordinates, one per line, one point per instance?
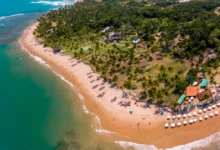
(174, 117)
(166, 125)
(206, 116)
(189, 115)
(172, 125)
(194, 113)
(190, 101)
(195, 120)
(211, 115)
(204, 110)
(213, 107)
(131, 111)
(218, 104)
(185, 122)
(200, 111)
(191, 98)
(190, 121)
(184, 115)
(209, 108)
(168, 117)
(178, 116)
(216, 113)
(178, 124)
(200, 118)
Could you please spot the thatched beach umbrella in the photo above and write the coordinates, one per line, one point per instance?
(216, 113)
(178, 116)
(190, 121)
(211, 115)
(213, 107)
(218, 104)
(200, 118)
(178, 124)
(204, 110)
(173, 125)
(174, 117)
(200, 111)
(168, 117)
(194, 113)
(166, 125)
(195, 120)
(185, 122)
(209, 108)
(206, 116)
(184, 115)
(189, 115)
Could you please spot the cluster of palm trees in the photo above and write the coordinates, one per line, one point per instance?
(124, 64)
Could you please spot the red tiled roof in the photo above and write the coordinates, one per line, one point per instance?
(199, 74)
(191, 90)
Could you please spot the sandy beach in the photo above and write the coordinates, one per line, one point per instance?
(142, 126)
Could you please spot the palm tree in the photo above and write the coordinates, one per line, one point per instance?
(170, 69)
(162, 68)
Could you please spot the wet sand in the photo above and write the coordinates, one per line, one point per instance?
(115, 118)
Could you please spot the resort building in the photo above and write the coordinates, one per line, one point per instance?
(204, 95)
(136, 41)
(199, 75)
(191, 91)
(106, 29)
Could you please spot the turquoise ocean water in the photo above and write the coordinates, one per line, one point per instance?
(38, 110)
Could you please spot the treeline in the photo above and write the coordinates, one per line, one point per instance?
(179, 31)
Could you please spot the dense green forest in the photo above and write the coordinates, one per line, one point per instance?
(151, 49)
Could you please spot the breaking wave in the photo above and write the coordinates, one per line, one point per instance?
(41, 61)
(196, 144)
(85, 110)
(53, 3)
(136, 146)
(200, 143)
(11, 16)
(81, 97)
(102, 131)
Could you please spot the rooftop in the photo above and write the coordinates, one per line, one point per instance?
(202, 95)
(191, 90)
(199, 74)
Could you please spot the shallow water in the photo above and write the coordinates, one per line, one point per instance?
(38, 109)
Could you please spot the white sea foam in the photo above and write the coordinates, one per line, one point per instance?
(53, 3)
(81, 97)
(200, 143)
(97, 119)
(136, 146)
(41, 61)
(38, 59)
(102, 131)
(85, 109)
(11, 16)
(62, 78)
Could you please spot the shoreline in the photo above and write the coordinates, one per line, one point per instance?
(113, 117)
